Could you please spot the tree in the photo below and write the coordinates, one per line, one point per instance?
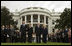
(65, 19)
(6, 16)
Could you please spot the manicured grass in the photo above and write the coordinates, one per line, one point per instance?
(48, 43)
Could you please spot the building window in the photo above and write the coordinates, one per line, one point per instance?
(46, 19)
(53, 30)
(41, 18)
(53, 22)
(23, 18)
(28, 18)
(35, 18)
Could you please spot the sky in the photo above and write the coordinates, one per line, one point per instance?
(58, 6)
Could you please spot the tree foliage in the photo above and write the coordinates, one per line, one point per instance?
(65, 19)
(6, 16)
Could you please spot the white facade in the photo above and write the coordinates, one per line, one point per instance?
(36, 15)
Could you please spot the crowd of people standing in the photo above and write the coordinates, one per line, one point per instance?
(11, 34)
(61, 36)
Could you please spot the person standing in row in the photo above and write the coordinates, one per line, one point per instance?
(30, 31)
(12, 30)
(38, 33)
(7, 31)
(44, 33)
(66, 34)
(17, 36)
(69, 35)
(2, 33)
(58, 35)
(23, 29)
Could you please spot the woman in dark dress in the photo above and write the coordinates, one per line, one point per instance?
(45, 33)
(30, 31)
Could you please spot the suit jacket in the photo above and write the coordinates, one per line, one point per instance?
(38, 30)
(45, 31)
(23, 29)
(6, 31)
(30, 31)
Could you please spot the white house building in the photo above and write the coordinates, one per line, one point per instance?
(36, 15)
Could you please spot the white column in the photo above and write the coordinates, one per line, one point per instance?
(25, 19)
(19, 22)
(32, 20)
(18, 25)
(44, 19)
(38, 18)
(49, 25)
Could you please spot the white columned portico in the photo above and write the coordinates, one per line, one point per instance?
(25, 19)
(32, 20)
(38, 18)
(44, 19)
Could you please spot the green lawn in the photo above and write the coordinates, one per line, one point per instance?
(48, 43)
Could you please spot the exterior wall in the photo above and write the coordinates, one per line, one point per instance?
(39, 11)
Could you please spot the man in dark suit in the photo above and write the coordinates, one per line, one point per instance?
(23, 29)
(38, 33)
